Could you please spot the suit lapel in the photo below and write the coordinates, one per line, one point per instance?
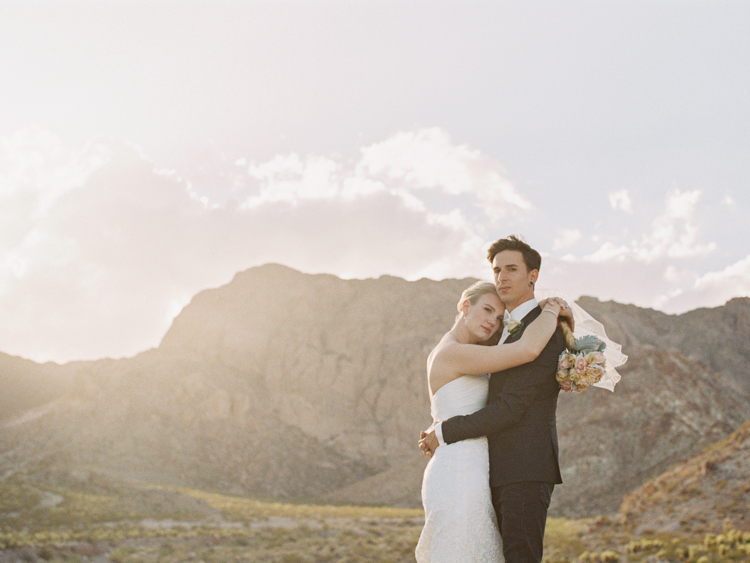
(497, 379)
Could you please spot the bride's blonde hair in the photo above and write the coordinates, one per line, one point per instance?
(474, 292)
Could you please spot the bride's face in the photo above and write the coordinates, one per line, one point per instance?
(485, 317)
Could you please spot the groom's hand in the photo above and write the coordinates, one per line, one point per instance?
(428, 442)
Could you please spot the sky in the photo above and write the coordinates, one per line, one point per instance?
(151, 150)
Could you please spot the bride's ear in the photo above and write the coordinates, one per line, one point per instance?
(465, 307)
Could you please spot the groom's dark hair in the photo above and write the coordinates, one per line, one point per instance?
(531, 257)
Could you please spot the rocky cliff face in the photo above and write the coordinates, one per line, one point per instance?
(286, 385)
(717, 338)
(708, 491)
(665, 409)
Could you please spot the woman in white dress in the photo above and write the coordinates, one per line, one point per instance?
(460, 525)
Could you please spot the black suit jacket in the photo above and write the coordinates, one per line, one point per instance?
(520, 417)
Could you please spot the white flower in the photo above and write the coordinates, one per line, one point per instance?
(514, 325)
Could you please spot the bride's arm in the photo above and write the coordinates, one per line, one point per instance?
(472, 359)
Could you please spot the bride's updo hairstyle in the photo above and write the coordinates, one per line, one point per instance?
(474, 292)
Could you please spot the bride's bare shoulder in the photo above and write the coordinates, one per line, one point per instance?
(439, 371)
(446, 342)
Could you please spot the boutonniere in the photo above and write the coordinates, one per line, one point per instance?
(514, 327)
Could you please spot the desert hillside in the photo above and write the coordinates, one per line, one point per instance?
(708, 490)
(283, 385)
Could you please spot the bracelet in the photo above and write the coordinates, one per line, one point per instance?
(545, 310)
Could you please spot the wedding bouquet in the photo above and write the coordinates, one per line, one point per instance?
(582, 364)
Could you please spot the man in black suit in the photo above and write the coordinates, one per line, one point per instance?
(519, 419)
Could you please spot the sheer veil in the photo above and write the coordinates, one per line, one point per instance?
(586, 324)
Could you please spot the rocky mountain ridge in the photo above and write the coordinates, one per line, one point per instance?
(711, 490)
(310, 387)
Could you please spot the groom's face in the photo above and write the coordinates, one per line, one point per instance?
(514, 282)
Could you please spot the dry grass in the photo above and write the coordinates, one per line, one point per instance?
(213, 528)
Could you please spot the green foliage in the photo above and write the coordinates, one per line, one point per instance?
(589, 343)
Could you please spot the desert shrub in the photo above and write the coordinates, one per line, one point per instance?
(644, 545)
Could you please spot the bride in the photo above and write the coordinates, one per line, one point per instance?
(460, 522)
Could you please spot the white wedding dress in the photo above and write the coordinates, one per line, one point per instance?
(460, 524)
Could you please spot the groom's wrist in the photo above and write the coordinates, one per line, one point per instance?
(439, 433)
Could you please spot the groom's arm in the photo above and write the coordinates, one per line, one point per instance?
(519, 391)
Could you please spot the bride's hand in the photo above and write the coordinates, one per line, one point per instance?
(565, 311)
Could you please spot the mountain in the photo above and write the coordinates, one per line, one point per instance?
(665, 409)
(710, 489)
(27, 385)
(715, 337)
(677, 395)
(309, 387)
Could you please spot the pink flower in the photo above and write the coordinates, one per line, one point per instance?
(594, 358)
(580, 363)
(567, 360)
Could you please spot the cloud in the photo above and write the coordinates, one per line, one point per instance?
(713, 288)
(566, 238)
(673, 235)
(621, 200)
(101, 268)
(657, 270)
(428, 160)
(289, 178)
(35, 170)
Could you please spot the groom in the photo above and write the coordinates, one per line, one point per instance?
(519, 419)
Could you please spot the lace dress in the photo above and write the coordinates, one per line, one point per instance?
(460, 523)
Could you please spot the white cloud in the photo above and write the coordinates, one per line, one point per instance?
(289, 178)
(105, 268)
(566, 238)
(732, 281)
(35, 170)
(621, 200)
(673, 235)
(427, 159)
(656, 270)
(713, 288)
